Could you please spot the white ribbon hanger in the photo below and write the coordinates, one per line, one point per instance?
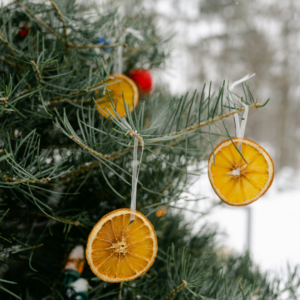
(135, 164)
(240, 128)
(118, 68)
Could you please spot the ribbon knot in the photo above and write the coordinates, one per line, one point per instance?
(136, 135)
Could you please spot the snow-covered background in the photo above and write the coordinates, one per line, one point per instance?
(275, 218)
(274, 227)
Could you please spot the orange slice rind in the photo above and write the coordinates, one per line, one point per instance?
(119, 85)
(235, 182)
(117, 252)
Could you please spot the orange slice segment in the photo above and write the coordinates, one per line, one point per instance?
(235, 182)
(120, 84)
(117, 252)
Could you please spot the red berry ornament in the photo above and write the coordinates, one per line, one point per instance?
(143, 79)
(23, 32)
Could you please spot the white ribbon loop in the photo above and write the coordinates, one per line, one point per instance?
(135, 33)
(234, 84)
(135, 169)
(240, 129)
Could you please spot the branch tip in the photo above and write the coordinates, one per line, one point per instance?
(37, 72)
(136, 135)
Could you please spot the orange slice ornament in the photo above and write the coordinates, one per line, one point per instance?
(118, 86)
(117, 251)
(236, 182)
(161, 212)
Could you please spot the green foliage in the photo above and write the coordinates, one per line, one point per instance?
(63, 166)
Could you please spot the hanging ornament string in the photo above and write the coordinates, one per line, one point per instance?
(118, 67)
(240, 128)
(138, 141)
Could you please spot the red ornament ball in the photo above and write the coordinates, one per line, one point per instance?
(23, 32)
(143, 79)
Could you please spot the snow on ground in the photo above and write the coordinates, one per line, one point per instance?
(275, 221)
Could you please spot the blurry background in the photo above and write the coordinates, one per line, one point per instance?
(225, 39)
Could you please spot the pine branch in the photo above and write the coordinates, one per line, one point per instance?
(205, 123)
(11, 49)
(75, 223)
(8, 62)
(42, 22)
(24, 181)
(62, 20)
(107, 156)
(179, 133)
(177, 289)
(37, 71)
(99, 84)
(65, 41)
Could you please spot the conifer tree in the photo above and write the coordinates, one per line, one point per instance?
(63, 165)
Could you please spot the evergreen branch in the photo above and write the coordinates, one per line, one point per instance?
(28, 248)
(136, 49)
(8, 62)
(89, 149)
(11, 49)
(24, 181)
(177, 289)
(205, 123)
(42, 23)
(191, 128)
(62, 20)
(63, 40)
(29, 90)
(83, 168)
(75, 223)
(105, 156)
(96, 46)
(56, 99)
(4, 99)
(37, 71)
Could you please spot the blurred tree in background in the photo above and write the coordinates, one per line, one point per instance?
(226, 39)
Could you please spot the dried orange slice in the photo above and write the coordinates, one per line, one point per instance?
(161, 212)
(117, 251)
(123, 84)
(234, 181)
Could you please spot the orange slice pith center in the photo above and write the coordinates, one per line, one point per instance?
(235, 181)
(117, 252)
(119, 86)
